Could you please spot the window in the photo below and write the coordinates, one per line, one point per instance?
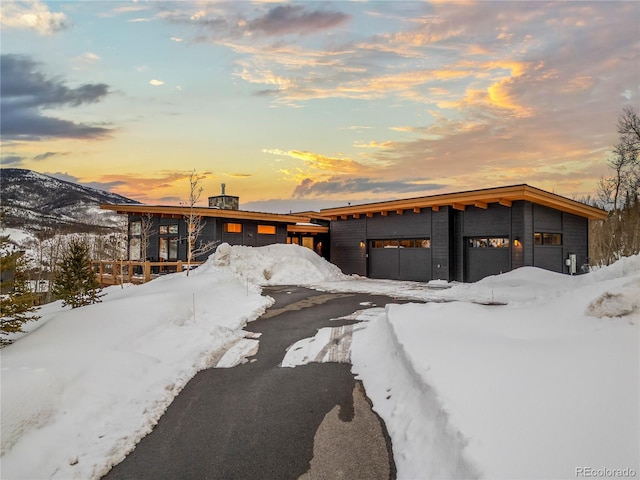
(135, 228)
(267, 229)
(489, 242)
(405, 243)
(168, 229)
(134, 248)
(168, 248)
(542, 238)
(232, 228)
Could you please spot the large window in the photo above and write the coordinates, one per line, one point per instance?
(489, 242)
(267, 229)
(169, 248)
(542, 238)
(232, 228)
(404, 243)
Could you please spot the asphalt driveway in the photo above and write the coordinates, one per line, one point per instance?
(261, 421)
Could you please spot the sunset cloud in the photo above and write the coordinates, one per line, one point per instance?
(363, 100)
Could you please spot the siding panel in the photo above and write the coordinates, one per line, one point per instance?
(346, 253)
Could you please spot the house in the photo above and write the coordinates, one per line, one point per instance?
(462, 236)
(222, 222)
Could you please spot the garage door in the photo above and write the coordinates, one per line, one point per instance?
(486, 256)
(406, 259)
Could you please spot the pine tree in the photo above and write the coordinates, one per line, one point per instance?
(75, 283)
(16, 298)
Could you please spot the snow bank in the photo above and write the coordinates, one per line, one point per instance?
(275, 265)
(535, 389)
(80, 391)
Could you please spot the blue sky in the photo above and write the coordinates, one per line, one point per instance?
(314, 104)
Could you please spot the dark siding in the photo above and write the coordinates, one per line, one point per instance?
(576, 238)
(518, 231)
(457, 245)
(549, 257)
(250, 234)
(408, 225)
(440, 245)
(207, 235)
(494, 221)
(546, 219)
(527, 242)
(346, 253)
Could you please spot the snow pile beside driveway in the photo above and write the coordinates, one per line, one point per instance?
(275, 265)
(535, 389)
(80, 391)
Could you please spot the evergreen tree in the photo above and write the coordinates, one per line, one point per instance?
(75, 283)
(16, 299)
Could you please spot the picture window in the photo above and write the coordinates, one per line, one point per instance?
(232, 228)
(266, 229)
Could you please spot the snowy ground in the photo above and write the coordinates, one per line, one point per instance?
(537, 388)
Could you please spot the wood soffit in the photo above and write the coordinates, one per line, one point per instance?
(477, 198)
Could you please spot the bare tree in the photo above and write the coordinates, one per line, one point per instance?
(619, 234)
(195, 224)
(146, 232)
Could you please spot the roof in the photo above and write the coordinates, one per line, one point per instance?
(182, 211)
(477, 198)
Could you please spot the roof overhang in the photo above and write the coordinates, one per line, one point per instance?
(182, 212)
(476, 198)
(307, 229)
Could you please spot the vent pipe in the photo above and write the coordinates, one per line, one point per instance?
(224, 185)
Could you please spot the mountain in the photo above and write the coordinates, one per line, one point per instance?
(32, 201)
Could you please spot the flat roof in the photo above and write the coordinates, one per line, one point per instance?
(477, 198)
(182, 211)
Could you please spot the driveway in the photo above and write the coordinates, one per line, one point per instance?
(259, 420)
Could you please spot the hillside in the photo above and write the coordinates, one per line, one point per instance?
(32, 201)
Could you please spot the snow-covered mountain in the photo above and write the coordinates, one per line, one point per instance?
(32, 201)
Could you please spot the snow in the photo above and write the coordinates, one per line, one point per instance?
(538, 387)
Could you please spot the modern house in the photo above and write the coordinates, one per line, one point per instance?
(461, 236)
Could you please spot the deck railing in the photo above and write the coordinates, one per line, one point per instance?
(115, 272)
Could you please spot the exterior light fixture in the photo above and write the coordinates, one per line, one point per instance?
(517, 243)
(362, 244)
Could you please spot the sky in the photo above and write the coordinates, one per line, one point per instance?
(309, 105)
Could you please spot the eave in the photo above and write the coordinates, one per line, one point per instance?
(307, 229)
(477, 198)
(181, 212)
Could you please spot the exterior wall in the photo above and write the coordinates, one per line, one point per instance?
(441, 245)
(549, 257)
(576, 240)
(212, 231)
(346, 252)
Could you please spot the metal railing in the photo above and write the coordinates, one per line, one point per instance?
(115, 272)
